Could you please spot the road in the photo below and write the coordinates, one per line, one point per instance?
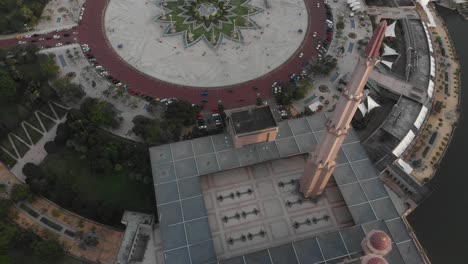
(91, 31)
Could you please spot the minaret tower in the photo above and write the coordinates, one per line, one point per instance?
(321, 164)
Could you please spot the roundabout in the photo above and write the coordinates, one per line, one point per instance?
(92, 32)
(205, 43)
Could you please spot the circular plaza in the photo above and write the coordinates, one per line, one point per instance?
(206, 43)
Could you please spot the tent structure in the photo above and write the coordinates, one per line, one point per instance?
(421, 117)
(390, 32)
(371, 104)
(389, 64)
(389, 51)
(433, 70)
(404, 144)
(430, 89)
(356, 8)
(362, 108)
(405, 166)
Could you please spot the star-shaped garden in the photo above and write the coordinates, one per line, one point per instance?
(207, 20)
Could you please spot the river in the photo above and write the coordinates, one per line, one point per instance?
(441, 221)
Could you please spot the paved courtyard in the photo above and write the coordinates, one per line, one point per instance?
(60, 14)
(132, 24)
(258, 206)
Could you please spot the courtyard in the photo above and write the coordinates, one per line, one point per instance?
(148, 36)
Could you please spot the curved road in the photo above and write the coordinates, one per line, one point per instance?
(91, 31)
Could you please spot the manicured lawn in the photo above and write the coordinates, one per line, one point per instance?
(34, 134)
(114, 191)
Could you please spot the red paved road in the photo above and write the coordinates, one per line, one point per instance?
(91, 31)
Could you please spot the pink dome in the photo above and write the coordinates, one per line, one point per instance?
(380, 241)
(373, 259)
(376, 260)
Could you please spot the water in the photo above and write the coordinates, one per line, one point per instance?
(441, 222)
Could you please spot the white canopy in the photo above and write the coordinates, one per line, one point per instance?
(354, 4)
(389, 64)
(356, 8)
(371, 104)
(314, 106)
(390, 32)
(363, 109)
(433, 71)
(430, 89)
(389, 51)
(421, 117)
(404, 144)
(405, 166)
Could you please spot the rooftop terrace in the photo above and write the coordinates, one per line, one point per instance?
(253, 119)
(193, 210)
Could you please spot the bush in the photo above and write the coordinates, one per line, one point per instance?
(21, 192)
(51, 147)
(48, 250)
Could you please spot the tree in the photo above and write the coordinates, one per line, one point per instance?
(155, 131)
(4, 208)
(32, 171)
(48, 250)
(7, 239)
(340, 25)
(51, 147)
(282, 99)
(70, 92)
(181, 111)
(100, 113)
(21, 192)
(7, 85)
(5, 259)
(324, 66)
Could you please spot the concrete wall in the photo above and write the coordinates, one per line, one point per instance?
(256, 137)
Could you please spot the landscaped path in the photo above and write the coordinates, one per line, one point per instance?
(92, 32)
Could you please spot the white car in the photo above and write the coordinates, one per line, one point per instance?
(274, 84)
(27, 36)
(41, 39)
(75, 33)
(59, 44)
(318, 4)
(56, 37)
(301, 55)
(314, 35)
(21, 42)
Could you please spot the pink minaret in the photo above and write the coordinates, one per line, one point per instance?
(321, 164)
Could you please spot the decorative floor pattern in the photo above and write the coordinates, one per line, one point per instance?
(258, 206)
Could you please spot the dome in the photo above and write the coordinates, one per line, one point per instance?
(377, 242)
(373, 259)
(380, 241)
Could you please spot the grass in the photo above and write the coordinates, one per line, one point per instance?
(21, 133)
(6, 159)
(46, 109)
(47, 122)
(113, 191)
(11, 113)
(5, 143)
(35, 136)
(59, 110)
(240, 12)
(20, 146)
(34, 122)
